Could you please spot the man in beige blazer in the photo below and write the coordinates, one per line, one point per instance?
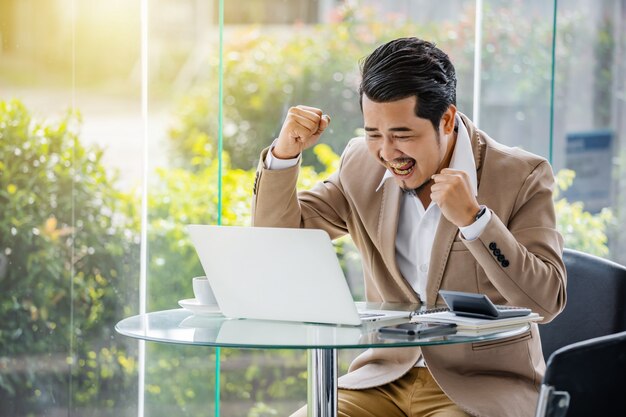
(431, 203)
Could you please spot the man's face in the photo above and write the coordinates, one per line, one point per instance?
(407, 145)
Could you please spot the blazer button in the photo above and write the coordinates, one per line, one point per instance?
(505, 263)
(493, 246)
(497, 252)
(501, 258)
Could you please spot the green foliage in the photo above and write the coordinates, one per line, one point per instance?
(604, 50)
(517, 50)
(318, 68)
(268, 70)
(69, 242)
(581, 230)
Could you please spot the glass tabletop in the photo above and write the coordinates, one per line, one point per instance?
(181, 326)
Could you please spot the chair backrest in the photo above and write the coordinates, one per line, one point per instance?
(586, 379)
(596, 302)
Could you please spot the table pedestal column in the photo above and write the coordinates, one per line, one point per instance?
(322, 384)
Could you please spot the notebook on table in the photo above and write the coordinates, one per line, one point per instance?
(471, 311)
(472, 323)
(279, 274)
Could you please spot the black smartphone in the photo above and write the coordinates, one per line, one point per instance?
(418, 329)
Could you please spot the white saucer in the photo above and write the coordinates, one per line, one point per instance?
(195, 307)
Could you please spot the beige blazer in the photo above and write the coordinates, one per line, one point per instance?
(491, 379)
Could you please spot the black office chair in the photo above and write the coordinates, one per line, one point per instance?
(586, 379)
(596, 302)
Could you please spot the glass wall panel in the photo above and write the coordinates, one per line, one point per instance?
(183, 105)
(515, 73)
(589, 129)
(70, 162)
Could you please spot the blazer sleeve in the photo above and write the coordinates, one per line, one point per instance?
(523, 258)
(277, 203)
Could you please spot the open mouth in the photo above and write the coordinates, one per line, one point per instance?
(402, 167)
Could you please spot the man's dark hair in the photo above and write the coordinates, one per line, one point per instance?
(408, 67)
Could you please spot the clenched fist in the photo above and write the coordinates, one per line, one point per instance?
(302, 128)
(453, 194)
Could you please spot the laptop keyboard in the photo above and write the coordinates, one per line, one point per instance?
(504, 308)
(370, 315)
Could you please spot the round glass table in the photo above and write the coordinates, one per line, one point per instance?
(321, 340)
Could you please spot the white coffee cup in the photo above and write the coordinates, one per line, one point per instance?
(203, 292)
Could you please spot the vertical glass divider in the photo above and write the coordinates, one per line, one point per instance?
(220, 141)
(552, 82)
(220, 112)
(72, 354)
(478, 40)
(143, 257)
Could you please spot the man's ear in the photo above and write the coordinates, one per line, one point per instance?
(448, 119)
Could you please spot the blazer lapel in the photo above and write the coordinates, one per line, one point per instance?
(478, 144)
(446, 232)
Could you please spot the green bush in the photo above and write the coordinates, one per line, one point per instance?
(68, 243)
(581, 230)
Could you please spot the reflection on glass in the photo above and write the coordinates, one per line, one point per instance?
(182, 327)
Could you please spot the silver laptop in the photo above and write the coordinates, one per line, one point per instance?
(278, 274)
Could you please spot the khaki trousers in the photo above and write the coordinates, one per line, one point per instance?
(414, 395)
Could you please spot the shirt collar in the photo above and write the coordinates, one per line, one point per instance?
(462, 157)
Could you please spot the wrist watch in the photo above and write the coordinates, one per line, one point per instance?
(480, 213)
